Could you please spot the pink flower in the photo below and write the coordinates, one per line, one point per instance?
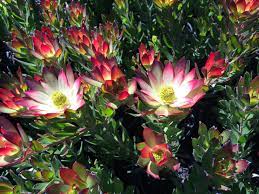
(169, 89)
(146, 57)
(215, 66)
(10, 143)
(45, 45)
(52, 95)
(107, 75)
(155, 153)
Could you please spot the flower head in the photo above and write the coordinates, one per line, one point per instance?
(100, 46)
(45, 45)
(49, 4)
(146, 57)
(155, 153)
(53, 95)
(107, 75)
(78, 179)
(164, 3)
(77, 13)
(169, 89)
(10, 143)
(79, 39)
(225, 165)
(215, 66)
(242, 7)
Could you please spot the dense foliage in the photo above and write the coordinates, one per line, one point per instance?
(128, 96)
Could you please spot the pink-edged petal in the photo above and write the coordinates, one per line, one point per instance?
(157, 71)
(155, 83)
(143, 85)
(241, 166)
(145, 152)
(132, 86)
(38, 96)
(70, 75)
(187, 87)
(153, 170)
(147, 99)
(4, 109)
(190, 76)
(178, 79)
(62, 80)
(168, 73)
(180, 65)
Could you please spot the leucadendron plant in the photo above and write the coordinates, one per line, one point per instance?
(129, 96)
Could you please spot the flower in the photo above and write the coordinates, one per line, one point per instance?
(100, 46)
(170, 90)
(49, 4)
(9, 102)
(215, 66)
(225, 165)
(78, 179)
(52, 95)
(155, 153)
(10, 143)
(79, 39)
(77, 13)
(164, 3)
(45, 45)
(146, 57)
(107, 75)
(241, 7)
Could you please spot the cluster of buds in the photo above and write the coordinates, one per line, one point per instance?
(164, 3)
(107, 75)
(224, 164)
(241, 8)
(92, 44)
(77, 13)
(49, 8)
(12, 143)
(45, 45)
(215, 67)
(155, 153)
(75, 180)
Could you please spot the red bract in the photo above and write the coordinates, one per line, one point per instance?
(146, 57)
(8, 102)
(107, 75)
(49, 4)
(79, 39)
(78, 179)
(100, 46)
(10, 143)
(215, 66)
(77, 13)
(45, 45)
(155, 153)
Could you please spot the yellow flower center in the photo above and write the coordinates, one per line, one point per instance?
(158, 155)
(167, 95)
(59, 99)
